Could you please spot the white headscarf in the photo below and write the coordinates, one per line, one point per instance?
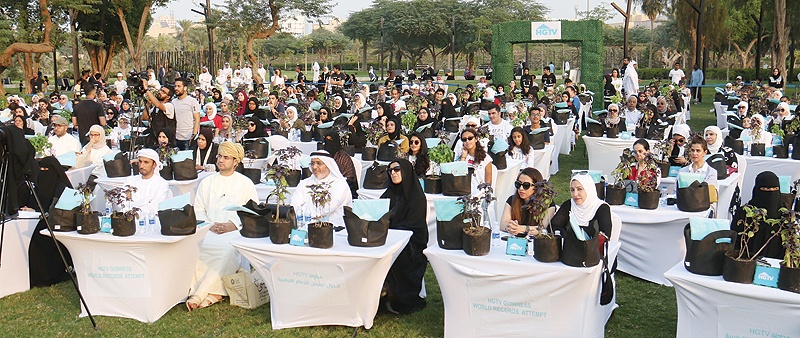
(785, 107)
(214, 110)
(363, 101)
(327, 158)
(102, 141)
(293, 119)
(489, 94)
(682, 130)
(760, 119)
(582, 214)
(713, 148)
(151, 154)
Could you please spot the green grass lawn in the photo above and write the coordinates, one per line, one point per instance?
(645, 309)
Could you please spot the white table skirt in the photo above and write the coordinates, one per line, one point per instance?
(511, 296)
(80, 175)
(724, 195)
(759, 164)
(653, 240)
(312, 287)
(708, 306)
(14, 272)
(139, 277)
(604, 152)
(306, 147)
(176, 187)
(561, 138)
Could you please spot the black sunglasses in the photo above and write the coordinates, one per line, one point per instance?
(251, 124)
(465, 139)
(395, 169)
(526, 185)
(610, 110)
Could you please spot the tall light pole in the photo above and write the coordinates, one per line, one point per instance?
(382, 72)
(453, 50)
(206, 13)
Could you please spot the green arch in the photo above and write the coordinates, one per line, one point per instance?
(588, 32)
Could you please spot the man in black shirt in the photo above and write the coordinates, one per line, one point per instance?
(36, 83)
(300, 77)
(548, 79)
(86, 82)
(87, 113)
(525, 82)
(337, 80)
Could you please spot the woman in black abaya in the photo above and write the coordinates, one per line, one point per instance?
(766, 195)
(408, 203)
(45, 265)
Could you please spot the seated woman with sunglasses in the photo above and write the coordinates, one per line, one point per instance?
(584, 209)
(516, 220)
(475, 154)
(613, 119)
(677, 152)
(418, 155)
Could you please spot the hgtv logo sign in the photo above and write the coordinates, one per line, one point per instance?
(550, 30)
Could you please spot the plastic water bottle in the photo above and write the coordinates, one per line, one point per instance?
(790, 151)
(151, 224)
(746, 149)
(495, 234)
(662, 201)
(300, 219)
(108, 210)
(306, 218)
(142, 228)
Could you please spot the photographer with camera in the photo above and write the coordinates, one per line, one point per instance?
(159, 111)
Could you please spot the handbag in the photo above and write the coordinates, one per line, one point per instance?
(694, 198)
(178, 222)
(184, 170)
(387, 151)
(363, 233)
(376, 177)
(580, 253)
(120, 166)
(706, 256)
(717, 161)
(606, 280)
(258, 148)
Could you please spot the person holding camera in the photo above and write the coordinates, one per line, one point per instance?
(161, 112)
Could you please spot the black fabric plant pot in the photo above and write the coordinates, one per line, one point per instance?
(364, 233)
(796, 205)
(477, 241)
(499, 160)
(254, 174)
(387, 151)
(664, 167)
(305, 173)
(306, 136)
(320, 235)
(547, 249)
(62, 220)
(706, 257)
(456, 185)
(561, 117)
(758, 149)
(259, 148)
(594, 130)
(614, 195)
(451, 126)
(579, 253)
(184, 170)
(796, 145)
(449, 234)
(350, 149)
(320, 146)
(88, 224)
(780, 151)
(135, 168)
(787, 200)
(536, 140)
(293, 178)
(166, 173)
(122, 226)
(649, 200)
(789, 279)
(120, 167)
(640, 132)
(693, 198)
(601, 190)
(613, 131)
(738, 271)
(280, 229)
(432, 185)
(736, 145)
(125, 145)
(254, 226)
(178, 222)
(369, 154)
(376, 177)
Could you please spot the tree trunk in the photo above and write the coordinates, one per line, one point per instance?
(780, 38)
(6, 58)
(262, 34)
(364, 55)
(134, 49)
(100, 57)
(650, 52)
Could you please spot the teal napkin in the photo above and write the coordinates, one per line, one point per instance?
(458, 168)
(175, 203)
(370, 210)
(447, 209)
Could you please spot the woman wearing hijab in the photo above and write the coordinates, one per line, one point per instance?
(677, 153)
(775, 80)
(241, 97)
(344, 162)
(94, 151)
(756, 132)
(714, 139)
(767, 195)
(255, 128)
(385, 112)
(358, 137)
(424, 118)
(226, 131)
(19, 122)
(583, 209)
(211, 115)
(251, 108)
(359, 102)
(205, 151)
(409, 206)
(324, 115)
(45, 264)
(324, 170)
(393, 134)
(608, 87)
(448, 109)
(338, 106)
(125, 109)
(516, 220)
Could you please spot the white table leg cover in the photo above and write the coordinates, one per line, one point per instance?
(14, 273)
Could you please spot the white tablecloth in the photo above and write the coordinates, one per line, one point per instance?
(312, 287)
(139, 277)
(562, 138)
(653, 240)
(14, 273)
(604, 152)
(306, 147)
(711, 307)
(758, 164)
(511, 296)
(176, 187)
(80, 175)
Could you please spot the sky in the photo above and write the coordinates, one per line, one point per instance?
(559, 9)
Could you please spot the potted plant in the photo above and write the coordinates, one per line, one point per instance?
(647, 185)
(87, 221)
(615, 193)
(477, 237)
(546, 245)
(280, 228)
(320, 232)
(779, 149)
(288, 158)
(123, 216)
(254, 174)
(40, 143)
(308, 120)
(409, 120)
(165, 156)
(790, 267)
(373, 133)
(740, 265)
(663, 150)
(344, 138)
(439, 154)
(644, 123)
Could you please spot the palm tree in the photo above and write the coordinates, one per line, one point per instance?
(183, 30)
(652, 8)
